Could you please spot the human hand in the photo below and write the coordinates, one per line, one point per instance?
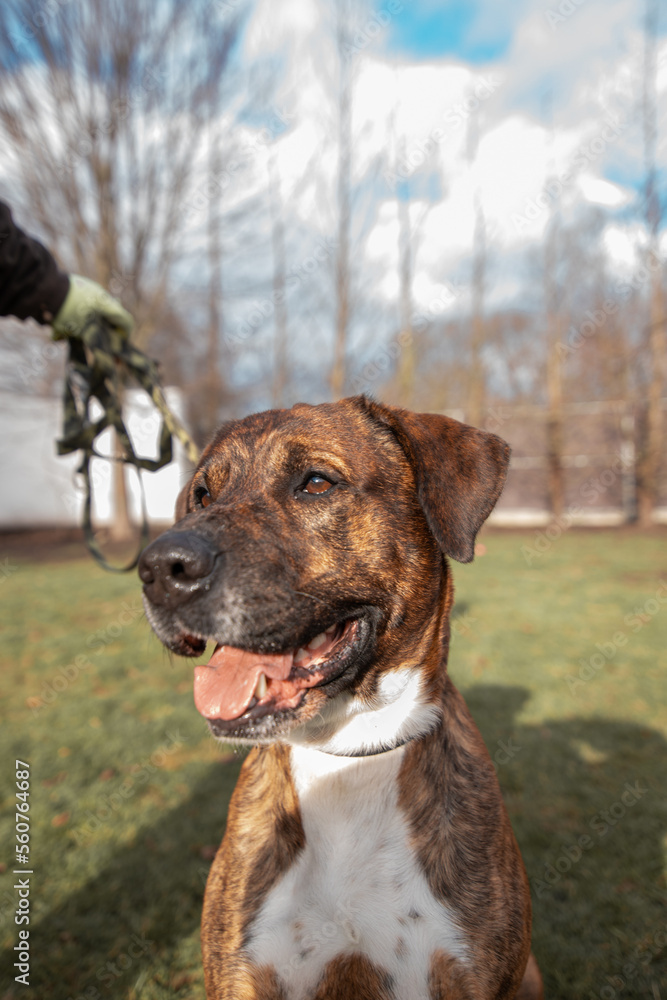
(85, 299)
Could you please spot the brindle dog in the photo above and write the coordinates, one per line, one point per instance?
(311, 547)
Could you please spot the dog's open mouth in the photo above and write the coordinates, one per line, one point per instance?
(240, 685)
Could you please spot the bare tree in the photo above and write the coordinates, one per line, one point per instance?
(104, 129)
(280, 368)
(212, 383)
(103, 109)
(556, 486)
(477, 380)
(344, 25)
(554, 360)
(651, 447)
(476, 374)
(405, 375)
(410, 226)
(406, 364)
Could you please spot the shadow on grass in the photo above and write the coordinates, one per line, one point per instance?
(460, 609)
(122, 929)
(587, 802)
(587, 805)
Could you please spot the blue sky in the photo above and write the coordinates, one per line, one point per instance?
(560, 48)
(424, 29)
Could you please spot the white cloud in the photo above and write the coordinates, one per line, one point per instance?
(410, 112)
(602, 192)
(272, 31)
(622, 246)
(419, 115)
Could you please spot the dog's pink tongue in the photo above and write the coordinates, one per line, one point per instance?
(225, 685)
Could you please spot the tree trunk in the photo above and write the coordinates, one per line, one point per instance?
(477, 380)
(338, 369)
(555, 484)
(651, 452)
(554, 427)
(406, 364)
(121, 528)
(213, 378)
(280, 370)
(651, 447)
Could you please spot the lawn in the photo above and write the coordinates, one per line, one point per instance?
(561, 654)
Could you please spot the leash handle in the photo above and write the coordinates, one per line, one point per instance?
(87, 523)
(98, 361)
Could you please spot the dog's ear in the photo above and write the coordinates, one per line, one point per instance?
(460, 472)
(182, 502)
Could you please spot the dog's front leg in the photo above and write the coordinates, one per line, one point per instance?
(263, 838)
(239, 979)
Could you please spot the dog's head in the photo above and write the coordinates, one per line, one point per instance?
(309, 547)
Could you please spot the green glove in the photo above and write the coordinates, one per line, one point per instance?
(84, 298)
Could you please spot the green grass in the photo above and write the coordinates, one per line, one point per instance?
(129, 794)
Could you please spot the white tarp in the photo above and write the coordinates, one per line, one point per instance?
(40, 489)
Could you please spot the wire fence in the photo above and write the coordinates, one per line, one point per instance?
(601, 443)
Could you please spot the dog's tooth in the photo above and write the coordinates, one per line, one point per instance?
(260, 689)
(318, 641)
(301, 655)
(330, 631)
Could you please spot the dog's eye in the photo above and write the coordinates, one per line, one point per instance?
(203, 497)
(317, 484)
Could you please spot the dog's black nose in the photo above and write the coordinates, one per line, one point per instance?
(175, 567)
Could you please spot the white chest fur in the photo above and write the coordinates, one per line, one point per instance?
(356, 887)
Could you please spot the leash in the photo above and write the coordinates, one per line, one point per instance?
(98, 363)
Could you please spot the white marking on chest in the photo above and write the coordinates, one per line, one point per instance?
(356, 887)
(399, 711)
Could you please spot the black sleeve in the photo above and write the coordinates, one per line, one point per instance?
(31, 284)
